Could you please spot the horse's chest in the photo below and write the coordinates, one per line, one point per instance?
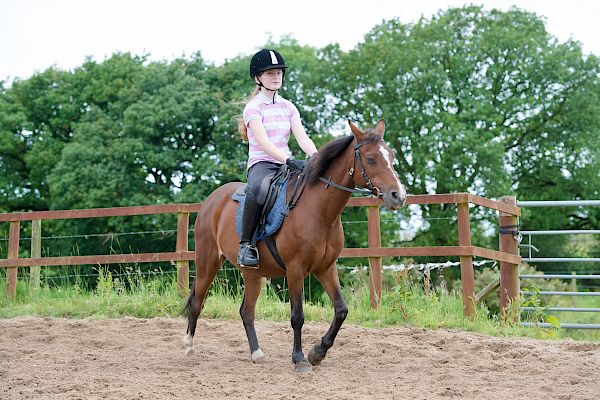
(334, 242)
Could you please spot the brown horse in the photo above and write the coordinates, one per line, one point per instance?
(309, 241)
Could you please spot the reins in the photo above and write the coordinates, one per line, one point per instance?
(300, 185)
(295, 197)
(328, 182)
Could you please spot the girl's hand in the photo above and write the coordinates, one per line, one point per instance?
(295, 165)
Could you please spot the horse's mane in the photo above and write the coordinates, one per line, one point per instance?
(330, 151)
(327, 153)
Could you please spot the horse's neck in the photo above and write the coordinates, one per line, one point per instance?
(330, 202)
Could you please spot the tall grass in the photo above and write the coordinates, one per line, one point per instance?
(139, 296)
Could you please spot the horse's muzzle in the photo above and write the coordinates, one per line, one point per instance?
(395, 199)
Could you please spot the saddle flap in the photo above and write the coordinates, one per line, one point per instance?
(241, 191)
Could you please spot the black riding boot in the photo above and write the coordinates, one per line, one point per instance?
(248, 255)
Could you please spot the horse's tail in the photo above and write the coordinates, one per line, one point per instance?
(186, 309)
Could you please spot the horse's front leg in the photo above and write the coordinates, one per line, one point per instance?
(296, 288)
(331, 283)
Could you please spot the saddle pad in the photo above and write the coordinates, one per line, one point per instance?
(275, 217)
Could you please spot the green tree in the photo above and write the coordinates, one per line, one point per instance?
(481, 101)
(14, 187)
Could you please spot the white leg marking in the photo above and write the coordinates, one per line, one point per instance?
(256, 355)
(188, 344)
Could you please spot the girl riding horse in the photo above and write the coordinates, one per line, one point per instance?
(311, 237)
(267, 121)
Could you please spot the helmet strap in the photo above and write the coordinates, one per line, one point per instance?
(270, 90)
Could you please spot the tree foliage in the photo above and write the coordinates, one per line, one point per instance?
(480, 102)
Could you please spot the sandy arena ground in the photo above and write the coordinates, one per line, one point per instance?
(47, 358)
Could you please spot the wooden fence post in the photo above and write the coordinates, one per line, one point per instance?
(183, 266)
(36, 252)
(509, 273)
(13, 252)
(467, 277)
(374, 240)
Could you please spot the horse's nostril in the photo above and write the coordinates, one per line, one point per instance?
(399, 198)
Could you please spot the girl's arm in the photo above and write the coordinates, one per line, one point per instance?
(260, 134)
(305, 142)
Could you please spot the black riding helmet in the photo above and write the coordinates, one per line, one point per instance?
(264, 60)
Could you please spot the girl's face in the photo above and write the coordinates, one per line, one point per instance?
(272, 78)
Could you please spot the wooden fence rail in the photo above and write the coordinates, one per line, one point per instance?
(507, 256)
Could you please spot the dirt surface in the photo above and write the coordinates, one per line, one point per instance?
(48, 358)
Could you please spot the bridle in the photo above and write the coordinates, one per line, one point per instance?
(370, 188)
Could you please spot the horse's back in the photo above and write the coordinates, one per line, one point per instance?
(223, 190)
(217, 201)
(215, 224)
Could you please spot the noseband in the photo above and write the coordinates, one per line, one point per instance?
(370, 190)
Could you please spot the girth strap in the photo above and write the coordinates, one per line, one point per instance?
(273, 249)
(297, 192)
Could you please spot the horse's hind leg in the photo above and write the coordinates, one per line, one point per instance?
(330, 281)
(207, 265)
(252, 287)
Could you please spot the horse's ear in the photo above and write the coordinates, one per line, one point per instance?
(355, 130)
(380, 127)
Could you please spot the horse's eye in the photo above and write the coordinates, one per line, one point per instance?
(370, 160)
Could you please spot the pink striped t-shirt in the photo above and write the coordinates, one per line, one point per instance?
(276, 118)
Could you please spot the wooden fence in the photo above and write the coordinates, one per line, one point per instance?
(507, 255)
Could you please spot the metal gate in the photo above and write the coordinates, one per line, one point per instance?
(532, 260)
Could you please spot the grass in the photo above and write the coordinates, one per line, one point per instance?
(141, 297)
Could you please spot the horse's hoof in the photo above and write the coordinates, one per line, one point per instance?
(303, 367)
(315, 358)
(188, 345)
(256, 356)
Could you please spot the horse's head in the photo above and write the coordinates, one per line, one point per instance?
(374, 166)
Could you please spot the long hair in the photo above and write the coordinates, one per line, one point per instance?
(242, 128)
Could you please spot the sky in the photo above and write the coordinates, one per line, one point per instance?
(38, 34)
